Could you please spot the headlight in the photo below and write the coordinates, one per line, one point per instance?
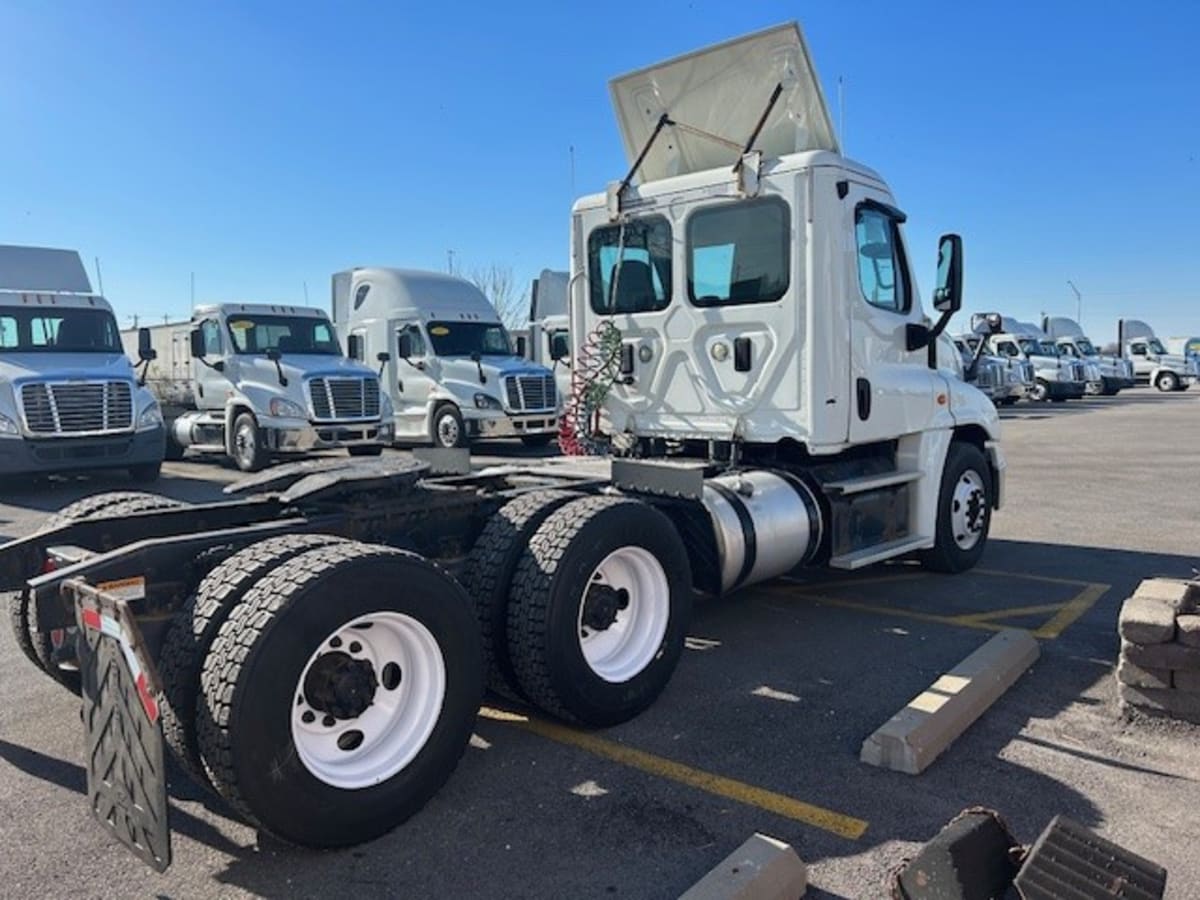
(150, 418)
(486, 401)
(8, 428)
(386, 410)
(286, 409)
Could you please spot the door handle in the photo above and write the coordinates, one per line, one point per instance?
(400, 386)
(741, 354)
(863, 391)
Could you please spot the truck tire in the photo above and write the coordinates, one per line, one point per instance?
(249, 454)
(366, 450)
(172, 449)
(1040, 392)
(488, 576)
(329, 723)
(102, 506)
(1167, 382)
(964, 511)
(446, 428)
(598, 610)
(194, 627)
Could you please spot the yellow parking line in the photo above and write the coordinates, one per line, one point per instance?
(1075, 582)
(1067, 615)
(1011, 613)
(780, 804)
(888, 610)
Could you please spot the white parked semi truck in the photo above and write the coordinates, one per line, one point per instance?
(1152, 362)
(1108, 374)
(749, 346)
(451, 370)
(69, 399)
(1056, 377)
(253, 381)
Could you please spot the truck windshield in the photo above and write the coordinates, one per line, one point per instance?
(287, 334)
(31, 330)
(465, 338)
(1156, 346)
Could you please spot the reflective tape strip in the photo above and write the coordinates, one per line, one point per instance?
(110, 627)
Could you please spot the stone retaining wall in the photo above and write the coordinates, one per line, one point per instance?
(1159, 669)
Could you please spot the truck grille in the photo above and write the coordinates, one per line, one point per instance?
(337, 399)
(528, 393)
(77, 407)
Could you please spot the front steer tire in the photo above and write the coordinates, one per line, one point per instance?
(251, 676)
(195, 626)
(249, 452)
(550, 597)
(963, 461)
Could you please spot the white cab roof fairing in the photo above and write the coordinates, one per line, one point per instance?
(260, 309)
(411, 292)
(1135, 328)
(42, 269)
(1062, 327)
(723, 90)
(52, 300)
(550, 299)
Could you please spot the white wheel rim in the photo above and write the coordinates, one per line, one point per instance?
(624, 647)
(358, 751)
(245, 442)
(968, 509)
(448, 431)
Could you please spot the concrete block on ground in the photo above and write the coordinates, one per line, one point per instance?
(1182, 596)
(1176, 704)
(1189, 630)
(913, 738)
(1144, 620)
(1187, 681)
(1128, 673)
(763, 868)
(1162, 656)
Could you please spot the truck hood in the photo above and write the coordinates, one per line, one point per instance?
(298, 366)
(461, 372)
(15, 366)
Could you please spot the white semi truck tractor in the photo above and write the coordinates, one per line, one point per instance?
(451, 370)
(69, 399)
(1152, 362)
(1056, 377)
(1108, 376)
(254, 381)
(757, 387)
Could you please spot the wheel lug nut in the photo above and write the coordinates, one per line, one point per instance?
(335, 641)
(329, 721)
(355, 647)
(308, 717)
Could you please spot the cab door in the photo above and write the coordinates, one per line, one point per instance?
(212, 375)
(892, 389)
(411, 382)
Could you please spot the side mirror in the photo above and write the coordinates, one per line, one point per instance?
(197, 339)
(521, 345)
(405, 346)
(354, 347)
(146, 353)
(947, 296)
(992, 322)
(560, 346)
(383, 356)
(273, 354)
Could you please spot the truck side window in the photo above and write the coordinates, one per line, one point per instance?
(1008, 348)
(8, 332)
(416, 340)
(629, 266)
(738, 253)
(212, 337)
(1137, 349)
(882, 270)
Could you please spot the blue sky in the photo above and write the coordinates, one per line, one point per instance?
(265, 145)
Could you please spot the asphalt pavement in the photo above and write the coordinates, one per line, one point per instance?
(760, 728)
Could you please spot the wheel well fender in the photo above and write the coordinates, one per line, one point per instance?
(234, 409)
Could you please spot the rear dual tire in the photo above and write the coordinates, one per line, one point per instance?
(286, 651)
(598, 610)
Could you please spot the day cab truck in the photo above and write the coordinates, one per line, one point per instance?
(69, 399)
(1003, 381)
(549, 334)
(760, 388)
(1152, 363)
(254, 381)
(450, 370)
(1056, 377)
(1109, 374)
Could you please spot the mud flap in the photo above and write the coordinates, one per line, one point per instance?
(126, 779)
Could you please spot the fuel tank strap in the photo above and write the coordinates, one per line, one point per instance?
(748, 537)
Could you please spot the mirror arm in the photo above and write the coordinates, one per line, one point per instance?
(283, 382)
(934, 333)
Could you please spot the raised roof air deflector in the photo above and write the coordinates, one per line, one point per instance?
(716, 97)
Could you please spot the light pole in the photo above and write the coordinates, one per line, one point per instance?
(1078, 303)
